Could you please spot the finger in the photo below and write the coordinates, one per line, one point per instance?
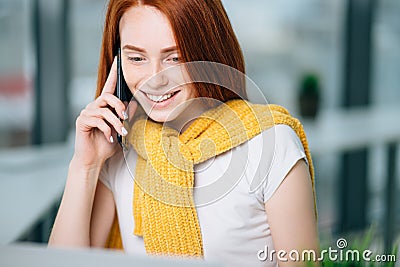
(111, 82)
(94, 122)
(108, 100)
(107, 115)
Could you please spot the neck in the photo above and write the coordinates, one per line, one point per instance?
(187, 116)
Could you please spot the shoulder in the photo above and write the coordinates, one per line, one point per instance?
(280, 139)
(275, 150)
(286, 138)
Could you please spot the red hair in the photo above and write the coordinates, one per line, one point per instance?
(202, 31)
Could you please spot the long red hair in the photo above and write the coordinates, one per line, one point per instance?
(202, 31)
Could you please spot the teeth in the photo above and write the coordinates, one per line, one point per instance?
(159, 98)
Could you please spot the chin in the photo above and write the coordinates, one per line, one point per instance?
(160, 117)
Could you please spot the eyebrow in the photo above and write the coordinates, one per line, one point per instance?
(142, 50)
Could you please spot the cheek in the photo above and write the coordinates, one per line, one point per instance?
(191, 91)
(133, 78)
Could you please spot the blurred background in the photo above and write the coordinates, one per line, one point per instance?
(333, 63)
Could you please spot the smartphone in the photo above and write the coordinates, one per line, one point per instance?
(123, 93)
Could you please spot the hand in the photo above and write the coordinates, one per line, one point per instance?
(97, 125)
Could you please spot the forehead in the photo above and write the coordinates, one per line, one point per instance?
(145, 25)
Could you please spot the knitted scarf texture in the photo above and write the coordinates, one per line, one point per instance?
(163, 206)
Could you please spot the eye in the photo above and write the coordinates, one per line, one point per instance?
(136, 59)
(174, 59)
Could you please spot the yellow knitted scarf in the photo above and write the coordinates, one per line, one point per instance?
(163, 206)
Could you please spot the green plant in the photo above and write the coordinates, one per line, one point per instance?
(309, 95)
(358, 246)
(310, 84)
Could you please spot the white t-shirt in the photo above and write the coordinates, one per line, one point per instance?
(230, 194)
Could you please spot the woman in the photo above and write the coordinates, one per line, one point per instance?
(239, 227)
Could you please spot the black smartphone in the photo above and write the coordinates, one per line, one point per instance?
(122, 92)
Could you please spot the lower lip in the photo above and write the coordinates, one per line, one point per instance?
(163, 104)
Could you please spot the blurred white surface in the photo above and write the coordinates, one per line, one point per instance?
(30, 255)
(346, 130)
(31, 182)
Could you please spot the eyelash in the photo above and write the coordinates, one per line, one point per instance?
(178, 59)
(140, 59)
(134, 59)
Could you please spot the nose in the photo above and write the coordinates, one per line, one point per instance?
(158, 76)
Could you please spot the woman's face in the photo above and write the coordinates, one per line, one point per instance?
(149, 47)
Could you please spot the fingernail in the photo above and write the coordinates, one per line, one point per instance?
(125, 115)
(111, 139)
(124, 131)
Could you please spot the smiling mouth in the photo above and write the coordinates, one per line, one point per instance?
(160, 98)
